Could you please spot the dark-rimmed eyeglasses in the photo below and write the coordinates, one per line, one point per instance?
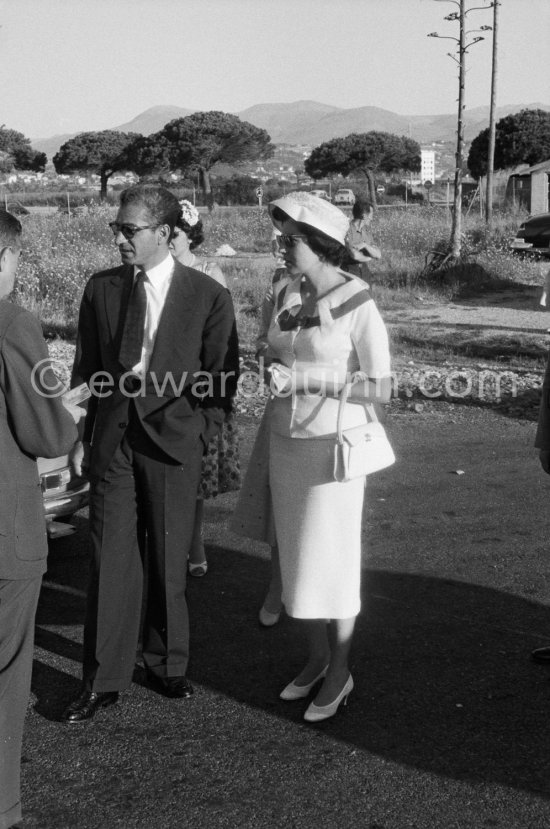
(287, 240)
(128, 231)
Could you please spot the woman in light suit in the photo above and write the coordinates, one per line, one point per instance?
(325, 327)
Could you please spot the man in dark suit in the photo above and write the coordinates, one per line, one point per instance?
(155, 405)
(33, 421)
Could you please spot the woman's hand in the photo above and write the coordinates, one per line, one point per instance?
(369, 390)
(365, 252)
(280, 379)
(79, 458)
(360, 256)
(76, 412)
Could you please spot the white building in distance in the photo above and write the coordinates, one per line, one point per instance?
(427, 168)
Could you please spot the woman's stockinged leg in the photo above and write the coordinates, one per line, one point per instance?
(339, 638)
(318, 650)
(272, 601)
(329, 643)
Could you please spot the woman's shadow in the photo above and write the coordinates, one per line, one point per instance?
(441, 668)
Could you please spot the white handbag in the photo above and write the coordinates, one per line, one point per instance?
(363, 449)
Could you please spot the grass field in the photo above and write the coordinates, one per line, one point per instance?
(61, 252)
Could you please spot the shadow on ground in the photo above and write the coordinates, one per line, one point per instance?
(511, 295)
(442, 678)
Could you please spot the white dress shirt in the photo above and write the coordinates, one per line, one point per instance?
(156, 286)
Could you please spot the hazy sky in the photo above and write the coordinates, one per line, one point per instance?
(74, 65)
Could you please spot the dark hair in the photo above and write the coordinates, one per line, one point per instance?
(194, 233)
(162, 206)
(361, 208)
(10, 229)
(326, 248)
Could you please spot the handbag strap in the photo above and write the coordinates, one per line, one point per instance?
(343, 397)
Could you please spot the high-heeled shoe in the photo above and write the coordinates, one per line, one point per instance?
(293, 691)
(198, 570)
(316, 713)
(267, 619)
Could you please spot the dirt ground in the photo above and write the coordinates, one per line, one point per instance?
(448, 725)
(515, 310)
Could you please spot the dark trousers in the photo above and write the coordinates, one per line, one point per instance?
(141, 522)
(18, 601)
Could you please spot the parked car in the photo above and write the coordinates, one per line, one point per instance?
(78, 210)
(321, 194)
(344, 198)
(533, 235)
(16, 208)
(63, 492)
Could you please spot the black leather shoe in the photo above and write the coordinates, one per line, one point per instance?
(177, 687)
(541, 655)
(85, 706)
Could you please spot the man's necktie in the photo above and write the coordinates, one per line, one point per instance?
(134, 324)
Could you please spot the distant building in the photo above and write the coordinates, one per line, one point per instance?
(126, 179)
(427, 166)
(530, 188)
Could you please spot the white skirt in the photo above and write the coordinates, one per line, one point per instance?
(318, 528)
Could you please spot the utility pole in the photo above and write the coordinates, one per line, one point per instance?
(461, 50)
(492, 125)
(456, 227)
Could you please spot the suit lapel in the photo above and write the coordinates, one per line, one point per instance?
(117, 297)
(178, 307)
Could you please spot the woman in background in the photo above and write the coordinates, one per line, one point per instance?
(253, 514)
(221, 467)
(361, 248)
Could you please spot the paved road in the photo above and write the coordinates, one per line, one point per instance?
(448, 725)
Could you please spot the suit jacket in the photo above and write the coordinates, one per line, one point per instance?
(31, 424)
(196, 334)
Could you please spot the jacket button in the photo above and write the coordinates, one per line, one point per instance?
(122, 425)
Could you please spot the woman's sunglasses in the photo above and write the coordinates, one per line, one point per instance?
(286, 240)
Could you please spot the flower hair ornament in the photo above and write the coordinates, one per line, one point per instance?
(189, 213)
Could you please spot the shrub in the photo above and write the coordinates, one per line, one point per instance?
(60, 254)
(57, 198)
(247, 230)
(236, 190)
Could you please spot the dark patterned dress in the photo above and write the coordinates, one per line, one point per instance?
(221, 468)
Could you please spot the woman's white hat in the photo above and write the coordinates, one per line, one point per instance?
(313, 211)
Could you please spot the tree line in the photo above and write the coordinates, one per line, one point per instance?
(194, 144)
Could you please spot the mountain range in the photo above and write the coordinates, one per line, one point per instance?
(310, 123)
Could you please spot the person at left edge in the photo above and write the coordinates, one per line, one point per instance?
(142, 447)
(542, 443)
(33, 421)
